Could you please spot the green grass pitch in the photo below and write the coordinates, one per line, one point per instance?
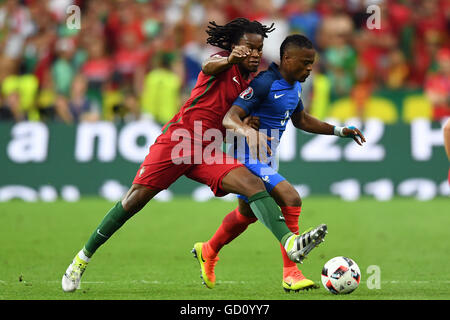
(150, 258)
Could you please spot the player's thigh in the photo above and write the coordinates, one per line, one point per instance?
(157, 172)
(285, 195)
(160, 168)
(241, 181)
(226, 176)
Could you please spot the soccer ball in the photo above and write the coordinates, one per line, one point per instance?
(341, 275)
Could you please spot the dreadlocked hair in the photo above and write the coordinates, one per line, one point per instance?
(229, 34)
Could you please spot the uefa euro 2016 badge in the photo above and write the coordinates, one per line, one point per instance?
(247, 93)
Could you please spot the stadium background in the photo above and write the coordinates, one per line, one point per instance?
(80, 104)
(79, 108)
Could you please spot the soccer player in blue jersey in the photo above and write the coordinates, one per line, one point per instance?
(274, 96)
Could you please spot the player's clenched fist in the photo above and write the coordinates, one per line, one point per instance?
(238, 54)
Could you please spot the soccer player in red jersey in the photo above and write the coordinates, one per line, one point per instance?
(222, 78)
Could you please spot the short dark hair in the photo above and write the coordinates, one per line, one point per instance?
(231, 33)
(297, 40)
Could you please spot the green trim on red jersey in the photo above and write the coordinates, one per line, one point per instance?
(194, 102)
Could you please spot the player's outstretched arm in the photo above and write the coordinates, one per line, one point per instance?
(216, 64)
(306, 122)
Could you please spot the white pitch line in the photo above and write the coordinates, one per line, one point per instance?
(131, 281)
(415, 281)
(158, 282)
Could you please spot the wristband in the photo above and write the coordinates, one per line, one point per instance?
(338, 131)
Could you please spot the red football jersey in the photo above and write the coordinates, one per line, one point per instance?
(210, 100)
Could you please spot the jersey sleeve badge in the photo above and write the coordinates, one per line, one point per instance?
(247, 94)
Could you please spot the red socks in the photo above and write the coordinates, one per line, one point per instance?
(232, 226)
(235, 223)
(291, 216)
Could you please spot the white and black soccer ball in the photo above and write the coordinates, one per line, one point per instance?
(341, 275)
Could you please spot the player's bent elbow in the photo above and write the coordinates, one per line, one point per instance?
(227, 122)
(211, 69)
(207, 71)
(206, 68)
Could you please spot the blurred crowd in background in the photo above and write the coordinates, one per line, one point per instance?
(134, 59)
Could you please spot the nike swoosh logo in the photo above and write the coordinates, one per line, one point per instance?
(235, 80)
(99, 233)
(276, 97)
(288, 283)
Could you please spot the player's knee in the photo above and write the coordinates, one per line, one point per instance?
(245, 209)
(137, 197)
(131, 205)
(291, 198)
(286, 195)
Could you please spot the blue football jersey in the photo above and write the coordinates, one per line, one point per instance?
(273, 100)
